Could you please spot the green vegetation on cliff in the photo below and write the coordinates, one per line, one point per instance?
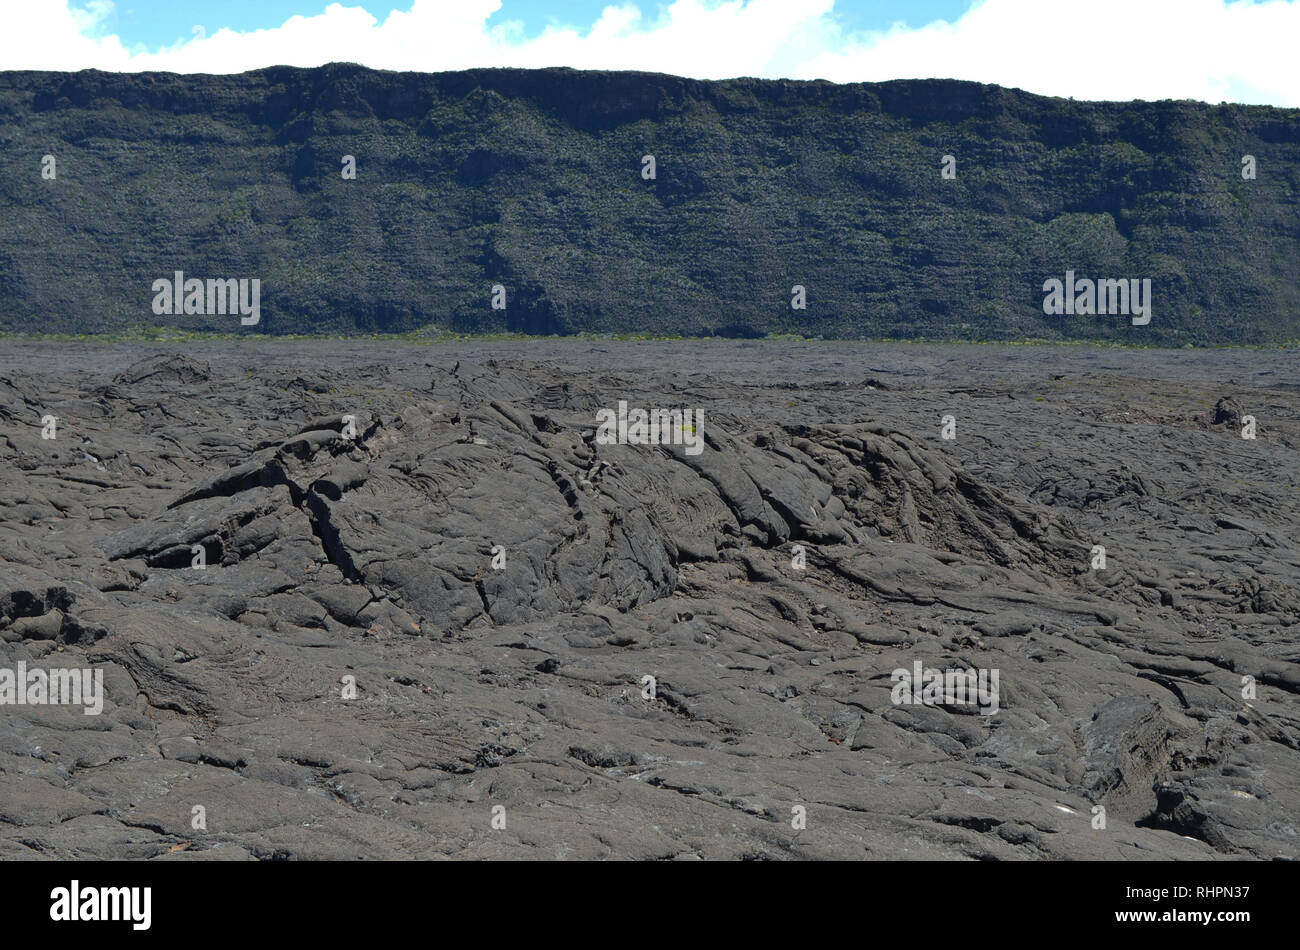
(533, 180)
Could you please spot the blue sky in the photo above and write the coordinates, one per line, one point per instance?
(1208, 50)
(157, 23)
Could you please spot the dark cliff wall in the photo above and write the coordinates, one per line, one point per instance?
(532, 179)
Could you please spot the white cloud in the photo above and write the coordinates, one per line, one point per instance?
(1095, 49)
(1091, 49)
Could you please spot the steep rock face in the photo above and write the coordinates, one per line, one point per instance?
(533, 180)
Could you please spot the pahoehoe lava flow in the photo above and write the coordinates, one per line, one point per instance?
(498, 585)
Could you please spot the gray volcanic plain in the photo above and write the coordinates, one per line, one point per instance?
(1162, 688)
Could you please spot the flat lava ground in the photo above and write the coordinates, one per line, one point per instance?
(370, 557)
